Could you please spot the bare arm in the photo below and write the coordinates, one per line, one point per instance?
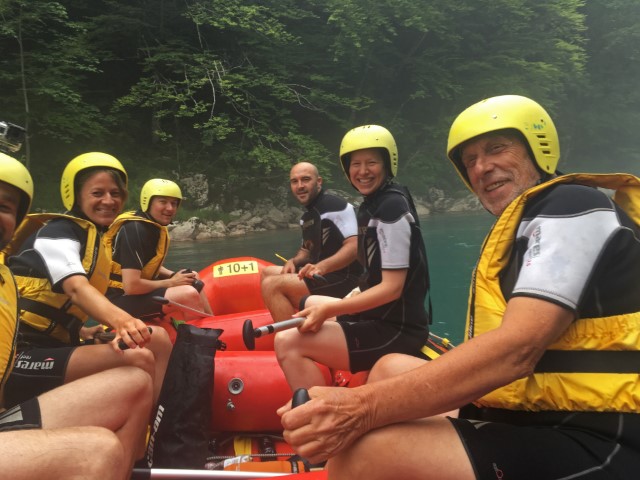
(300, 258)
(134, 284)
(132, 330)
(389, 289)
(343, 257)
(164, 272)
(462, 375)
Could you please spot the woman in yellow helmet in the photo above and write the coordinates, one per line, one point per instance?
(389, 314)
(139, 242)
(62, 271)
(105, 412)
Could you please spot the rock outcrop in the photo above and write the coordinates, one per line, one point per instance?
(267, 215)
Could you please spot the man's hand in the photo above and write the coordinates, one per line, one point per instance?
(289, 267)
(332, 420)
(309, 270)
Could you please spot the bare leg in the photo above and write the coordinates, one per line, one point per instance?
(422, 449)
(188, 296)
(395, 364)
(392, 365)
(206, 306)
(118, 399)
(297, 353)
(65, 453)
(282, 294)
(153, 359)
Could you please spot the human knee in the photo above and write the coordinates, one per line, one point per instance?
(160, 334)
(268, 285)
(285, 343)
(185, 294)
(133, 381)
(108, 463)
(388, 366)
(160, 340)
(142, 358)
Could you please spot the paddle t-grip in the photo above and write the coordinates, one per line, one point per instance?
(300, 396)
(197, 283)
(249, 334)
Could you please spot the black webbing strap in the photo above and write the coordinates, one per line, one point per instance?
(56, 316)
(589, 361)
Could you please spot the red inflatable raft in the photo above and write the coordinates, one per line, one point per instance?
(249, 386)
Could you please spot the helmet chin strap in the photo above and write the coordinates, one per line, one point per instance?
(547, 176)
(148, 215)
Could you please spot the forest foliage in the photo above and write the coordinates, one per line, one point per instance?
(240, 90)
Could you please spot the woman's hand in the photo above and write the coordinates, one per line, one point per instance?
(88, 333)
(132, 331)
(315, 316)
(182, 277)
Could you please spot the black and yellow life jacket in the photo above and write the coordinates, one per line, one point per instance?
(49, 312)
(151, 268)
(8, 323)
(595, 364)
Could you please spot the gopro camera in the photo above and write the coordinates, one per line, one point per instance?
(11, 137)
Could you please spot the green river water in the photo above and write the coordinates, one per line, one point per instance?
(452, 240)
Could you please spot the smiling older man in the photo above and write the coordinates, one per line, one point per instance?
(547, 380)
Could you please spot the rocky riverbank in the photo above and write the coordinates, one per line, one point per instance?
(269, 215)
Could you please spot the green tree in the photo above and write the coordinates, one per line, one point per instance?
(239, 89)
(43, 61)
(600, 122)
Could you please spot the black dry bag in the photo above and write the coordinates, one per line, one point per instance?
(179, 433)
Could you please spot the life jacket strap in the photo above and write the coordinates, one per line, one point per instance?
(589, 361)
(55, 316)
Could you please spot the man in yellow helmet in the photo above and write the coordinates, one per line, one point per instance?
(547, 380)
(90, 428)
(139, 242)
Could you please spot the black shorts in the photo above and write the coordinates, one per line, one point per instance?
(563, 450)
(36, 370)
(337, 284)
(25, 416)
(369, 340)
(141, 306)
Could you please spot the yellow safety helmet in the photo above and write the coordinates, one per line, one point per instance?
(16, 174)
(369, 136)
(507, 112)
(161, 187)
(83, 162)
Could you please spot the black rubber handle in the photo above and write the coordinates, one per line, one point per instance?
(319, 278)
(300, 396)
(197, 283)
(159, 299)
(248, 335)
